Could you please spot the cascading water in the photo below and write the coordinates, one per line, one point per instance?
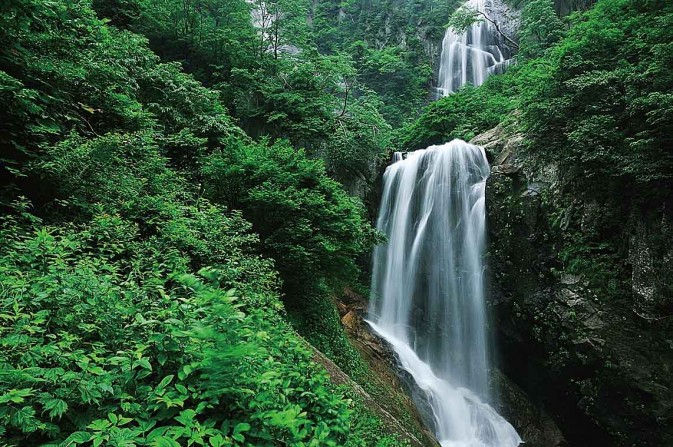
(470, 57)
(427, 288)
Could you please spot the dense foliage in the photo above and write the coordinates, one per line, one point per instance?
(175, 183)
(461, 115)
(394, 46)
(286, 197)
(270, 74)
(101, 348)
(607, 96)
(122, 177)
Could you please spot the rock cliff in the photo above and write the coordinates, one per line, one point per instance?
(582, 305)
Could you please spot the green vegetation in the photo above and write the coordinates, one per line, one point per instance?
(461, 115)
(101, 349)
(147, 240)
(540, 29)
(607, 96)
(175, 223)
(393, 45)
(599, 111)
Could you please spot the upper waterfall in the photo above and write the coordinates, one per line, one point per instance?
(470, 57)
(428, 293)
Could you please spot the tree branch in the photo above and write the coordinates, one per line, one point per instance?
(497, 28)
(343, 111)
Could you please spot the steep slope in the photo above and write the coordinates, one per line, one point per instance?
(122, 239)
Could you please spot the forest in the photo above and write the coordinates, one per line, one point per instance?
(189, 188)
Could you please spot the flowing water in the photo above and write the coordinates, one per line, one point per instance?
(428, 292)
(470, 57)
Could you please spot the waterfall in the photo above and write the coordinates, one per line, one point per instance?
(428, 292)
(470, 57)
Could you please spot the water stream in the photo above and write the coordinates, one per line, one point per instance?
(428, 289)
(470, 57)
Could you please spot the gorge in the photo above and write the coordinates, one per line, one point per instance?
(189, 246)
(428, 298)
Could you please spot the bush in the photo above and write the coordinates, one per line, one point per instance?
(108, 337)
(462, 115)
(601, 110)
(305, 220)
(99, 351)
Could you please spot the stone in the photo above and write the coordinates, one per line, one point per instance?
(506, 169)
(350, 321)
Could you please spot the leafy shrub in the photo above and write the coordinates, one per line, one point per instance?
(107, 336)
(462, 115)
(540, 28)
(306, 222)
(99, 351)
(601, 109)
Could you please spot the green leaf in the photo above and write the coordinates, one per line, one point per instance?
(55, 407)
(143, 363)
(165, 441)
(16, 396)
(241, 427)
(164, 382)
(184, 372)
(216, 441)
(25, 419)
(99, 425)
(157, 433)
(78, 437)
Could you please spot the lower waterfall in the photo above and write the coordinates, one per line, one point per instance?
(428, 292)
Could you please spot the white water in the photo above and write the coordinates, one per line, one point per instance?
(470, 57)
(427, 288)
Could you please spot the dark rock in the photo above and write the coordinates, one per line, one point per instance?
(534, 425)
(565, 7)
(505, 169)
(592, 345)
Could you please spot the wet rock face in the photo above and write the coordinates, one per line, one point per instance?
(533, 424)
(596, 354)
(650, 254)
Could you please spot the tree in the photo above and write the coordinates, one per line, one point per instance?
(540, 28)
(118, 340)
(209, 37)
(281, 26)
(307, 223)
